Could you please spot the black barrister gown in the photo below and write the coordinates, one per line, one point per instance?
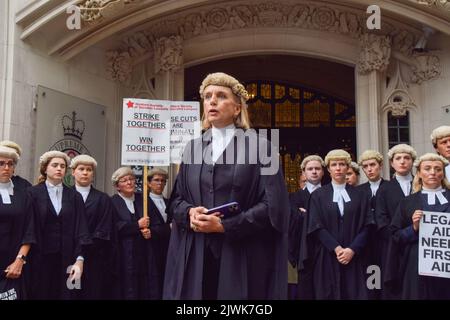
(413, 285)
(138, 272)
(389, 196)
(298, 248)
(373, 249)
(20, 183)
(16, 229)
(252, 252)
(100, 272)
(331, 279)
(160, 230)
(60, 240)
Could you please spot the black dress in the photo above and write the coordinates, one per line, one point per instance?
(415, 286)
(61, 238)
(16, 229)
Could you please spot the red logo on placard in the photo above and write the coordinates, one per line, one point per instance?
(130, 104)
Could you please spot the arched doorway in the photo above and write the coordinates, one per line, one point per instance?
(310, 101)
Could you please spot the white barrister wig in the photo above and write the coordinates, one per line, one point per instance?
(119, 173)
(46, 157)
(355, 167)
(402, 148)
(12, 144)
(311, 158)
(369, 155)
(338, 154)
(83, 159)
(9, 153)
(430, 157)
(225, 80)
(438, 133)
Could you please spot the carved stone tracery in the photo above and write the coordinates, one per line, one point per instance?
(251, 14)
(93, 11)
(168, 53)
(375, 53)
(398, 100)
(427, 67)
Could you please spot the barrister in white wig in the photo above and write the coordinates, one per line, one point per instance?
(236, 257)
(19, 182)
(61, 229)
(339, 221)
(352, 175)
(440, 138)
(389, 195)
(137, 263)
(431, 193)
(160, 221)
(100, 273)
(313, 168)
(16, 222)
(371, 162)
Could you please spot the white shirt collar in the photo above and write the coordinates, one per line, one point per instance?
(340, 196)
(158, 200)
(156, 196)
(129, 202)
(312, 187)
(55, 194)
(433, 194)
(374, 186)
(405, 183)
(6, 190)
(221, 137)
(339, 190)
(50, 185)
(83, 190)
(408, 178)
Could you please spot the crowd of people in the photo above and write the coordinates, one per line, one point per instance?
(60, 242)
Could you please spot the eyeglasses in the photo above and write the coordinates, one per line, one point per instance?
(10, 164)
(127, 180)
(159, 180)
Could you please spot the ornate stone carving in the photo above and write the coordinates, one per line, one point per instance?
(209, 19)
(397, 97)
(375, 53)
(118, 66)
(438, 4)
(168, 53)
(427, 67)
(94, 10)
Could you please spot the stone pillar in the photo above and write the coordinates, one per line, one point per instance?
(374, 58)
(169, 79)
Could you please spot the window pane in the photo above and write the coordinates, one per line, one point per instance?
(294, 93)
(404, 135)
(252, 90)
(279, 91)
(404, 121)
(393, 135)
(266, 91)
(392, 122)
(260, 114)
(287, 114)
(316, 114)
